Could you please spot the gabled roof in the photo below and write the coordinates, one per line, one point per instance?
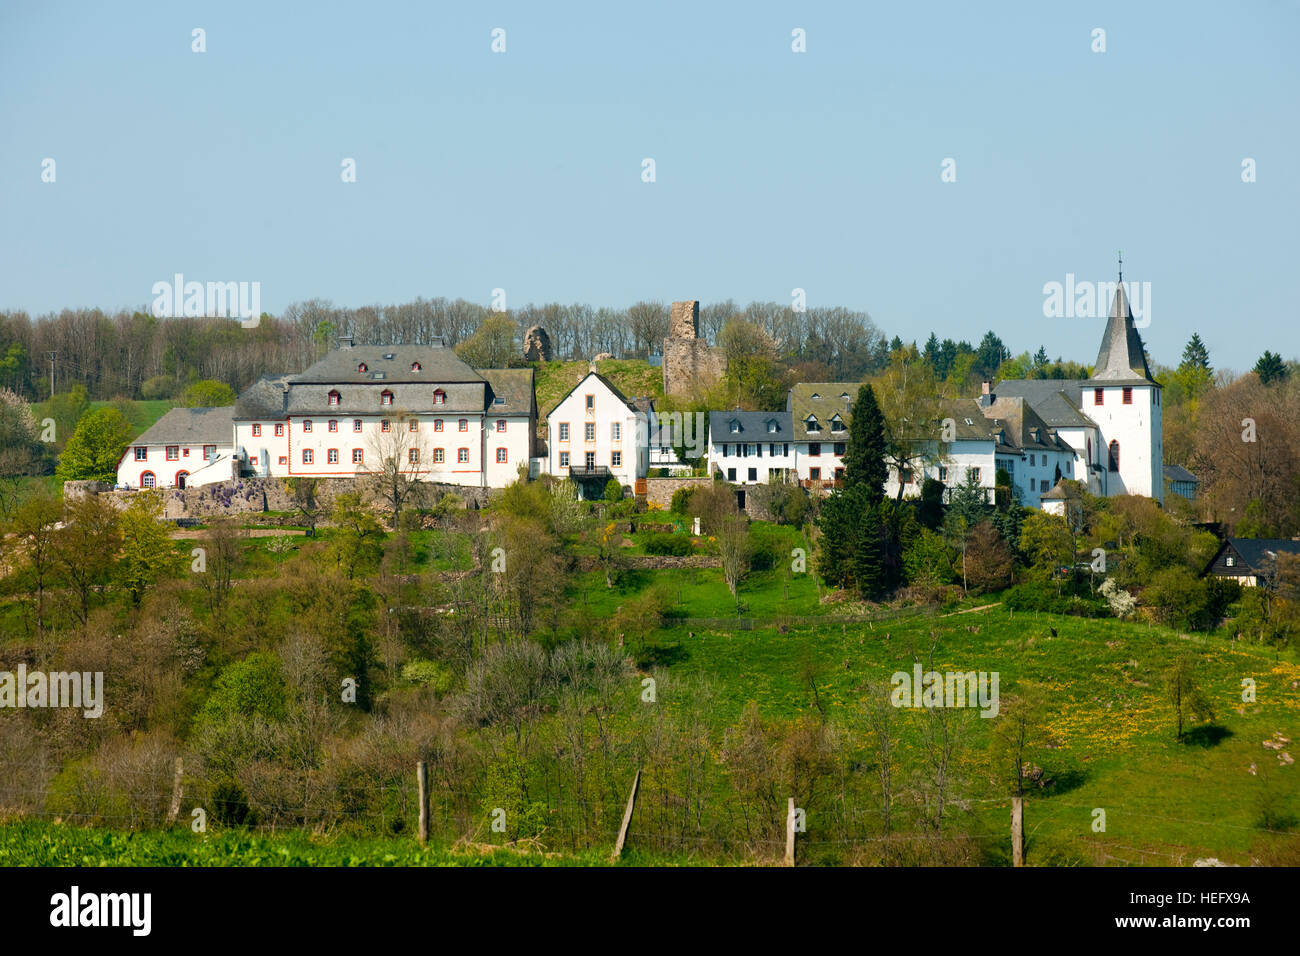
(822, 400)
(631, 405)
(438, 365)
(1260, 553)
(514, 386)
(1179, 473)
(1122, 358)
(1056, 401)
(1021, 427)
(191, 426)
(753, 426)
(264, 399)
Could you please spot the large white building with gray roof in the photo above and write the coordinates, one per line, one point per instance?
(359, 410)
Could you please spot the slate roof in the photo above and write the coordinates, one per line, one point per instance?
(753, 427)
(264, 399)
(1179, 473)
(829, 401)
(438, 366)
(1121, 358)
(1021, 428)
(1259, 553)
(1057, 401)
(191, 426)
(514, 386)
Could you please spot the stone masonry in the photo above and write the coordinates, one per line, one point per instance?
(691, 366)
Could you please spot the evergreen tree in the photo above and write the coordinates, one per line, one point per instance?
(868, 562)
(896, 344)
(1270, 368)
(1196, 355)
(864, 456)
(931, 353)
(991, 354)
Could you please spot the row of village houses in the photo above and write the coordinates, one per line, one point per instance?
(360, 406)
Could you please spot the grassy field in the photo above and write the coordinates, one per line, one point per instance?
(143, 412)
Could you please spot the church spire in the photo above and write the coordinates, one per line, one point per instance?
(1122, 356)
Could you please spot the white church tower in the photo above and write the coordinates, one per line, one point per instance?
(1124, 400)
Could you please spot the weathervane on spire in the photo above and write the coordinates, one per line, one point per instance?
(1121, 265)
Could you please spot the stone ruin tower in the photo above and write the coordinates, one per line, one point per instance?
(691, 366)
(537, 345)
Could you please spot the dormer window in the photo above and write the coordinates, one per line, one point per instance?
(415, 366)
(812, 424)
(439, 397)
(771, 428)
(363, 367)
(844, 395)
(816, 397)
(837, 424)
(334, 397)
(969, 422)
(735, 427)
(385, 397)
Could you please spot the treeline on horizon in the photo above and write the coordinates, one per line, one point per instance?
(135, 355)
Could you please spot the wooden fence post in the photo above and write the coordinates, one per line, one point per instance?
(789, 834)
(174, 811)
(422, 776)
(1017, 831)
(627, 817)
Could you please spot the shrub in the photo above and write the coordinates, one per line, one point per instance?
(659, 542)
(682, 500)
(767, 547)
(613, 490)
(1040, 596)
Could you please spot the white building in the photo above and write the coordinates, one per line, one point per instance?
(750, 448)
(363, 405)
(820, 413)
(595, 433)
(187, 446)
(1112, 420)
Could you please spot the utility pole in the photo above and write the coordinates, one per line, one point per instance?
(52, 354)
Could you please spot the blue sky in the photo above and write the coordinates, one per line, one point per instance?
(774, 170)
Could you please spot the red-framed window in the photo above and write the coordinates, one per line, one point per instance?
(307, 456)
(385, 426)
(358, 456)
(462, 455)
(147, 479)
(437, 424)
(437, 456)
(413, 456)
(815, 474)
(1128, 395)
(439, 397)
(257, 431)
(414, 425)
(284, 459)
(415, 366)
(464, 424)
(334, 426)
(356, 424)
(501, 456)
(334, 397)
(332, 456)
(279, 430)
(501, 424)
(362, 367)
(306, 424)
(1098, 396)
(385, 397)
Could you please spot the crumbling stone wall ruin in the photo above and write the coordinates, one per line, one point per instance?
(691, 366)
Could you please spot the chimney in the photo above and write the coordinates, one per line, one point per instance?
(986, 394)
(345, 341)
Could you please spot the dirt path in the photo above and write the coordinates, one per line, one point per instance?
(972, 610)
(252, 533)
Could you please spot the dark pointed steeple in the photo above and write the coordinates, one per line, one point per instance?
(1122, 356)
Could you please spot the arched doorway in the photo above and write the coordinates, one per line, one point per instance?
(180, 478)
(147, 480)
